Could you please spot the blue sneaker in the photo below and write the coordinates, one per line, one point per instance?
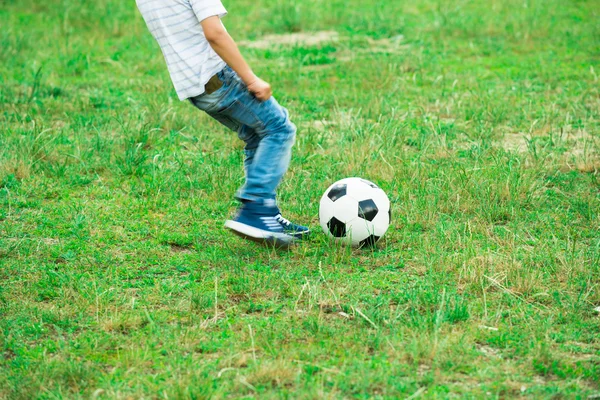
(295, 230)
(259, 223)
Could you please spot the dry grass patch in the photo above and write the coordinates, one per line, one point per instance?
(18, 168)
(581, 148)
(516, 142)
(369, 46)
(274, 373)
(583, 153)
(292, 39)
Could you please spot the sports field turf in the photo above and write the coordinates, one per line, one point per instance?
(481, 120)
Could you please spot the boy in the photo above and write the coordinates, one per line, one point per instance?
(207, 68)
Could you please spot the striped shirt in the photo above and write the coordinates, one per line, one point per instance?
(175, 24)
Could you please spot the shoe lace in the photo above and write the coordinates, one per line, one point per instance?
(282, 220)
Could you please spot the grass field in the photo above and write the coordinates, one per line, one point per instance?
(481, 119)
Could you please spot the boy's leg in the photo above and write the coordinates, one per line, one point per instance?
(252, 140)
(245, 133)
(268, 149)
(269, 136)
(264, 126)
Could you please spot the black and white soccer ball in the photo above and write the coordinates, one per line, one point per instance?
(355, 211)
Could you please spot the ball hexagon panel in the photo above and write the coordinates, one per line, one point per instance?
(337, 191)
(336, 227)
(367, 209)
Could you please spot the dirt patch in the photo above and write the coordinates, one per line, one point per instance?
(369, 46)
(19, 169)
(293, 39)
(583, 153)
(582, 142)
(362, 46)
(578, 142)
(275, 374)
(423, 370)
(576, 148)
(340, 118)
(488, 351)
(517, 142)
(180, 248)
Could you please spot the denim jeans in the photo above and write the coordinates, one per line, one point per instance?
(265, 127)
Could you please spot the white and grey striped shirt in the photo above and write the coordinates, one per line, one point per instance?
(175, 24)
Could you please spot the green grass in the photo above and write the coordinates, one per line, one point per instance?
(481, 119)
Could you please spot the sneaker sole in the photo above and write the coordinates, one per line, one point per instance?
(280, 240)
(300, 235)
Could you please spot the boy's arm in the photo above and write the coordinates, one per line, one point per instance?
(225, 47)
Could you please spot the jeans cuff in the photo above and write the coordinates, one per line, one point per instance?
(266, 201)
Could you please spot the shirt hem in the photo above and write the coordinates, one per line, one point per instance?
(200, 89)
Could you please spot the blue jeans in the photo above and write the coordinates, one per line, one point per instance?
(265, 127)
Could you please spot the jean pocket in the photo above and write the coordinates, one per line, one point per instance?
(238, 112)
(209, 102)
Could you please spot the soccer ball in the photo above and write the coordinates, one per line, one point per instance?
(355, 211)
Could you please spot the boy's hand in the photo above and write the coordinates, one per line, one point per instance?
(260, 89)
